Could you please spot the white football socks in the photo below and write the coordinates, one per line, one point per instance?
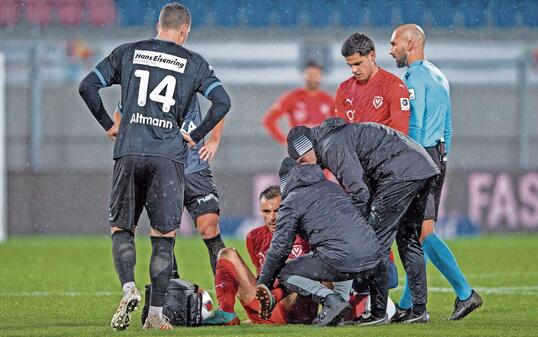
(127, 287)
(155, 311)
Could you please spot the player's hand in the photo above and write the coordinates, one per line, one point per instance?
(188, 139)
(113, 132)
(208, 151)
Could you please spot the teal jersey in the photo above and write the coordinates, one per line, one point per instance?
(431, 111)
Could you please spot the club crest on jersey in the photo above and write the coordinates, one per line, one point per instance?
(160, 60)
(297, 250)
(378, 101)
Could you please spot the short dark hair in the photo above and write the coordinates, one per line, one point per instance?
(174, 15)
(270, 192)
(312, 64)
(357, 43)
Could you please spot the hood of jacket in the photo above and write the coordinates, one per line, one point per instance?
(301, 176)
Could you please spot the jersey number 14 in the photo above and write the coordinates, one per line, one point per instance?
(169, 82)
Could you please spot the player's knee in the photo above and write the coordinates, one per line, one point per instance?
(208, 225)
(228, 253)
(165, 234)
(428, 227)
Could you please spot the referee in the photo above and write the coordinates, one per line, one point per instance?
(158, 78)
(430, 126)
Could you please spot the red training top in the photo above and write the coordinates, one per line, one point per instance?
(302, 107)
(259, 240)
(382, 99)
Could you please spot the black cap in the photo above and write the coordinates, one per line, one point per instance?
(299, 141)
(285, 168)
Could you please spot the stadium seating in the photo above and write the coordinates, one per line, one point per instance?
(503, 13)
(474, 13)
(530, 12)
(319, 13)
(350, 13)
(102, 12)
(10, 12)
(226, 13)
(441, 12)
(447, 14)
(288, 13)
(413, 11)
(38, 12)
(258, 13)
(69, 12)
(380, 12)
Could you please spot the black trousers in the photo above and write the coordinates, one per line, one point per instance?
(397, 212)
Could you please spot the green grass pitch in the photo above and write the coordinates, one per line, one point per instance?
(66, 286)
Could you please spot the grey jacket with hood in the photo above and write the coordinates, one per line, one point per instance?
(363, 156)
(321, 213)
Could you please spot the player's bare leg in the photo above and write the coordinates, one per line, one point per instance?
(208, 227)
(124, 254)
(160, 272)
(232, 278)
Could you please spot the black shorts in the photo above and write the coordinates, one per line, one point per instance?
(201, 195)
(434, 197)
(151, 182)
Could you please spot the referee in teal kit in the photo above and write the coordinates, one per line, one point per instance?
(431, 126)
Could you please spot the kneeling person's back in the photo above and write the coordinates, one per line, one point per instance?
(324, 215)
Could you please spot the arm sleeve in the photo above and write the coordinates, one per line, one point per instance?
(417, 89)
(220, 105)
(281, 244)
(251, 251)
(348, 170)
(448, 128)
(339, 108)
(399, 107)
(89, 91)
(273, 115)
(105, 74)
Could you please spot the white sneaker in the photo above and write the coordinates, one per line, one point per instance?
(129, 303)
(159, 322)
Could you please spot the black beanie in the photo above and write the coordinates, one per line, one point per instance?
(299, 142)
(285, 168)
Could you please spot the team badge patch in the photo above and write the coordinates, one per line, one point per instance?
(378, 101)
(404, 104)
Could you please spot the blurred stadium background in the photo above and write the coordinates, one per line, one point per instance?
(59, 163)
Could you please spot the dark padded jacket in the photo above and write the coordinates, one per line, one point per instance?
(321, 213)
(363, 156)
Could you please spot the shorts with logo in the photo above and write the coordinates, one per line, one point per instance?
(434, 197)
(151, 182)
(201, 195)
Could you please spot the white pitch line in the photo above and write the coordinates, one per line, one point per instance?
(523, 290)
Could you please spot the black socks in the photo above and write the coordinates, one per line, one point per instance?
(214, 245)
(160, 269)
(124, 255)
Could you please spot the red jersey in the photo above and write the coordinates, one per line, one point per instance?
(301, 107)
(259, 240)
(383, 99)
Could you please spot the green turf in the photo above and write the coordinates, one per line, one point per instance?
(66, 286)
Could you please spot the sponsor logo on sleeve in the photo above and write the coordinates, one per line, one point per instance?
(160, 60)
(404, 104)
(411, 93)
